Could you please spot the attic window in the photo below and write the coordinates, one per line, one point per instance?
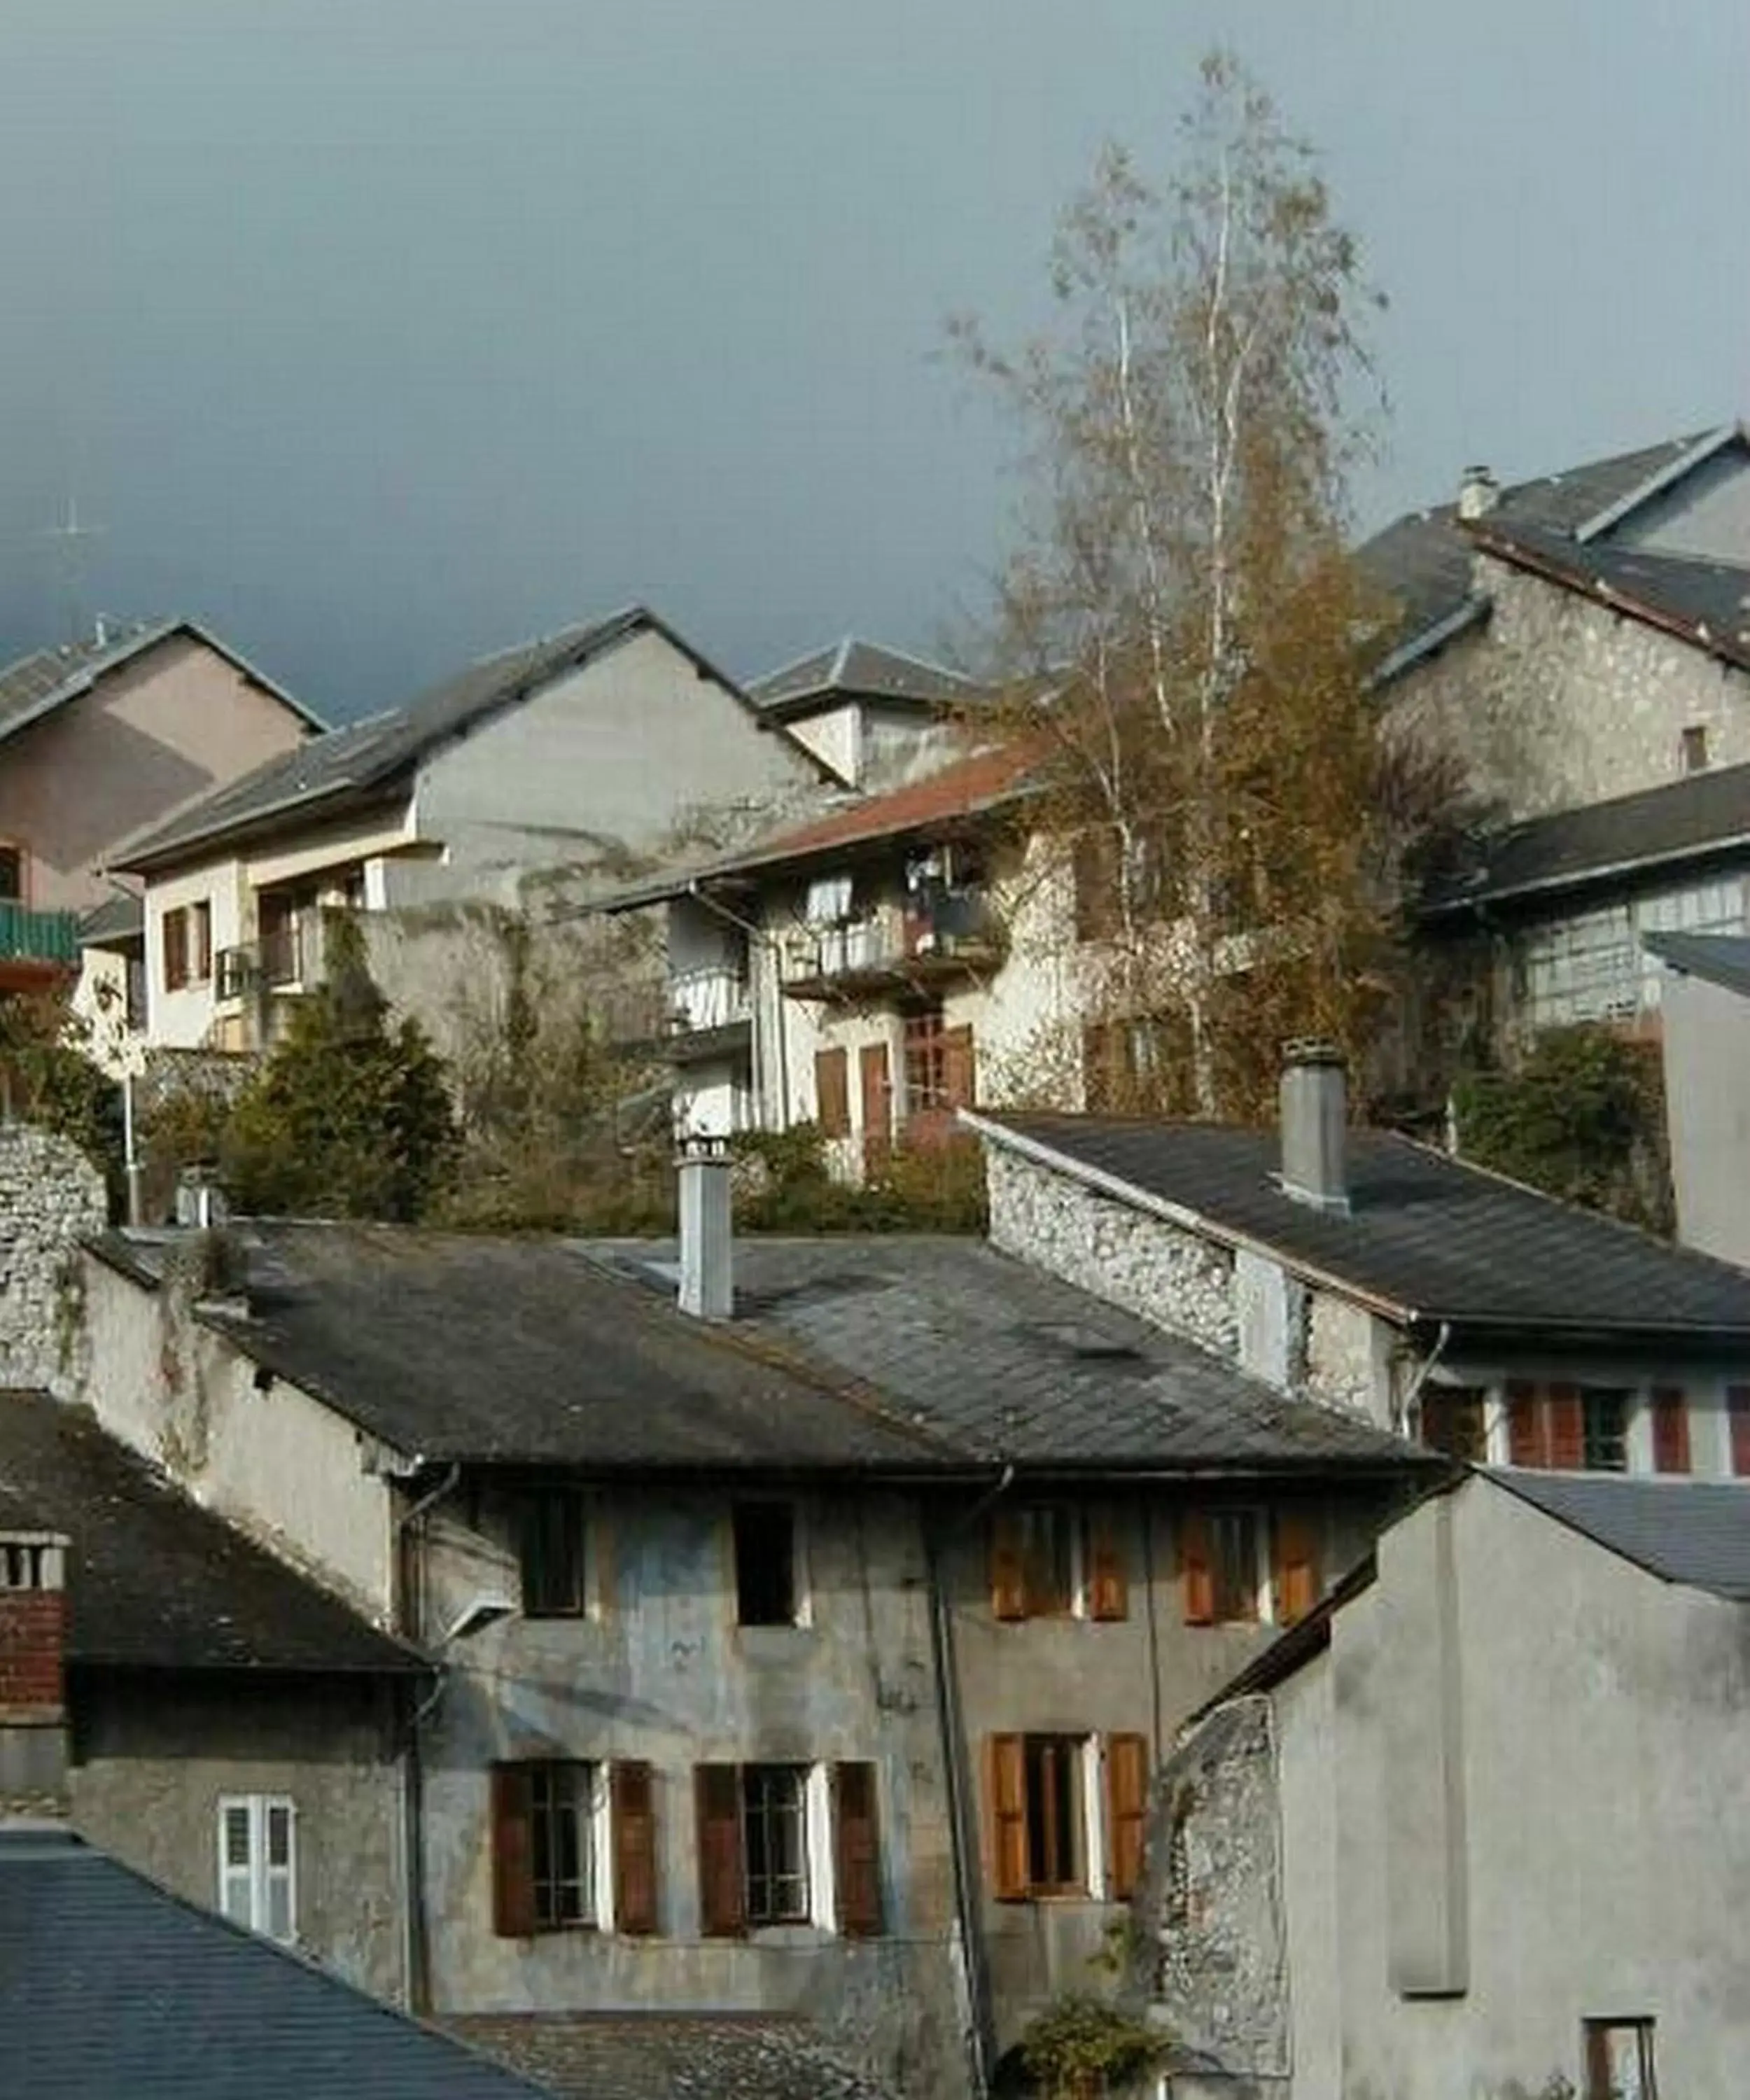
(766, 1590)
(1693, 746)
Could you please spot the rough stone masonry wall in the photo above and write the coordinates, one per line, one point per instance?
(51, 1197)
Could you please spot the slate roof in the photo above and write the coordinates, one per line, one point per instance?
(154, 1580)
(121, 917)
(1700, 817)
(862, 670)
(1720, 958)
(36, 685)
(369, 760)
(1430, 1239)
(110, 1986)
(1693, 1532)
(1421, 562)
(896, 1354)
(669, 2056)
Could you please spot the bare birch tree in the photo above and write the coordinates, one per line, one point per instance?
(1184, 635)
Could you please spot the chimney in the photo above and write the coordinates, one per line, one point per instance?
(32, 1650)
(1314, 1120)
(708, 1261)
(1478, 492)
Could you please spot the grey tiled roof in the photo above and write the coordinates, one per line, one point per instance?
(121, 916)
(1704, 816)
(155, 1581)
(1722, 959)
(36, 685)
(111, 1988)
(860, 668)
(374, 758)
(670, 2056)
(1692, 1532)
(1429, 1238)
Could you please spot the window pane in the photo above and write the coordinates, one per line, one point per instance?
(1053, 1766)
(560, 1833)
(1047, 1549)
(237, 1834)
(1233, 1562)
(279, 1834)
(278, 1922)
(553, 1553)
(1606, 1419)
(775, 1842)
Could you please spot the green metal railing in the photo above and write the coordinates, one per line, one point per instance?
(38, 936)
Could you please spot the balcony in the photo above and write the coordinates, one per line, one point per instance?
(710, 1014)
(42, 942)
(950, 937)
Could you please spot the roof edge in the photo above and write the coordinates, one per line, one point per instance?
(1661, 478)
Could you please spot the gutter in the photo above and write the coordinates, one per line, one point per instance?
(1583, 878)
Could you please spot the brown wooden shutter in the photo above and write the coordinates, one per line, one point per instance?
(832, 1093)
(1738, 1419)
(1525, 1425)
(1195, 1575)
(875, 1080)
(722, 1892)
(1670, 1430)
(960, 1067)
(1108, 1590)
(1006, 1817)
(1127, 1811)
(633, 1811)
(856, 1848)
(1599, 2083)
(1567, 1429)
(1295, 1561)
(175, 949)
(1009, 1568)
(512, 1852)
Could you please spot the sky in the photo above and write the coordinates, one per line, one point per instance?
(378, 334)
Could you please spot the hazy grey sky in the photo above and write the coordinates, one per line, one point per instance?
(382, 333)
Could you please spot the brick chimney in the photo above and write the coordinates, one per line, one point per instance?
(32, 1656)
(1315, 1126)
(707, 1259)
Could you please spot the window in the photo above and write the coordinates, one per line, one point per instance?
(1619, 2060)
(176, 949)
(774, 1841)
(766, 1590)
(257, 1873)
(1057, 1850)
(279, 921)
(1053, 1560)
(787, 1845)
(1453, 1422)
(1225, 1577)
(574, 1845)
(551, 1552)
(1670, 1430)
(12, 874)
(938, 1066)
(1065, 1815)
(1694, 749)
(560, 1808)
(1604, 1440)
(1738, 1419)
(200, 943)
(1567, 1428)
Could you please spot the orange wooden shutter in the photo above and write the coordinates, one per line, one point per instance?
(1108, 1596)
(832, 1093)
(1670, 1430)
(1006, 1817)
(959, 1069)
(633, 1814)
(1195, 1572)
(722, 1895)
(1009, 1568)
(1525, 1425)
(1738, 1417)
(856, 1849)
(1296, 1565)
(512, 1851)
(875, 1080)
(1567, 1429)
(1127, 1811)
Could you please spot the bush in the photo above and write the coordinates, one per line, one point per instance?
(1081, 2047)
(46, 1079)
(788, 1187)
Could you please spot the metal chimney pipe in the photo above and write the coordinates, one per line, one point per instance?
(708, 1254)
(1478, 492)
(1315, 1111)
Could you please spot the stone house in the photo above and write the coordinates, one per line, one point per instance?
(805, 1645)
(1395, 1282)
(1472, 1825)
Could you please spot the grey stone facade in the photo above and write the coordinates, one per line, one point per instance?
(51, 1197)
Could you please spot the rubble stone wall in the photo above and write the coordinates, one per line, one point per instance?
(51, 1197)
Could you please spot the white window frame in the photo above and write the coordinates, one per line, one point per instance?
(823, 1876)
(1094, 1816)
(255, 1879)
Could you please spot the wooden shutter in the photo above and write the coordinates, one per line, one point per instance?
(722, 1892)
(1295, 1564)
(1525, 1425)
(512, 1851)
(874, 1078)
(1196, 1576)
(857, 1849)
(1126, 1812)
(832, 1093)
(1108, 1590)
(1006, 1817)
(1567, 1429)
(959, 1069)
(1009, 1568)
(633, 1814)
(1670, 1430)
(1738, 1418)
(175, 949)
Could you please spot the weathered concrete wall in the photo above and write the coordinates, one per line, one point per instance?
(1707, 1054)
(154, 1756)
(50, 1196)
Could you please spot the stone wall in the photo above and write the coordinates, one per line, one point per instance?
(51, 1197)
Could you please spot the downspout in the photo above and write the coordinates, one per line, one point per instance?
(979, 2043)
(757, 938)
(417, 1955)
(1424, 1371)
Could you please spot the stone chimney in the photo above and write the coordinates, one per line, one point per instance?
(1478, 492)
(1314, 1125)
(32, 1656)
(707, 1257)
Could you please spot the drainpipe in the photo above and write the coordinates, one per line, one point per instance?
(417, 1951)
(1424, 1371)
(964, 1851)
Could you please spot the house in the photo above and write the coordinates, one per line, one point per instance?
(1475, 1823)
(1381, 1277)
(876, 716)
(103, 736)
(809, 1613)
(515, 784)
(235, 1732)
(1705, 1041)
